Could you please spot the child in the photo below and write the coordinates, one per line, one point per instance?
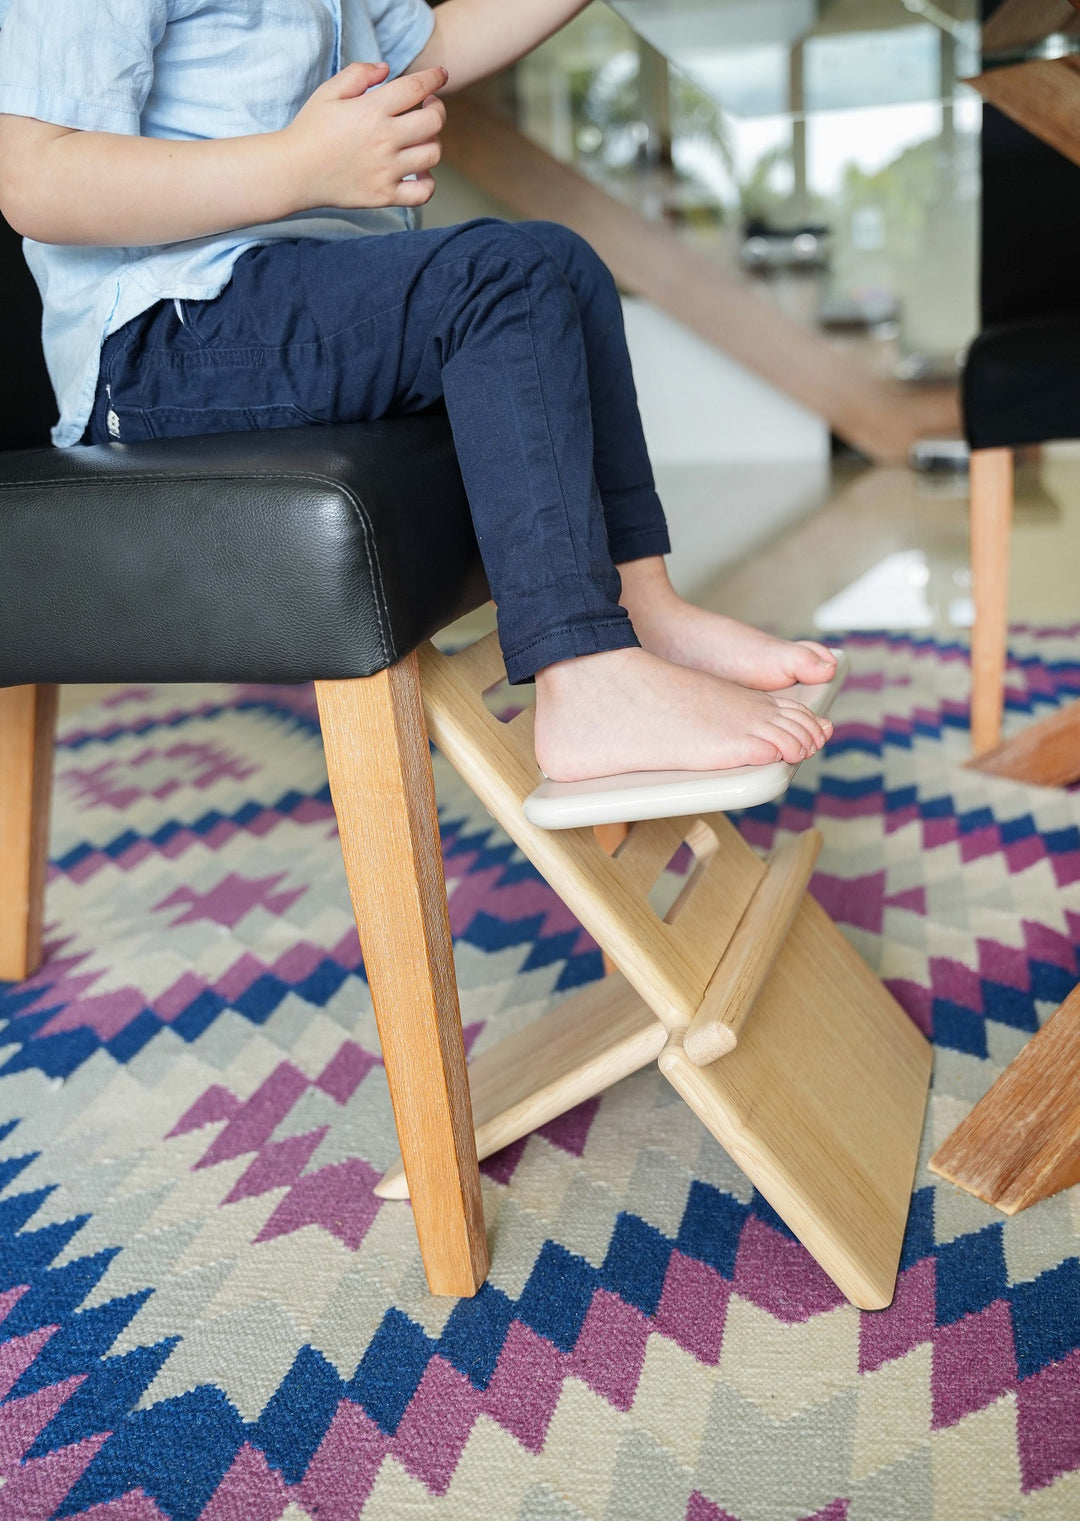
(217, 205)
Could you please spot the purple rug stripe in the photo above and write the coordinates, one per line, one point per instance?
(250, 1491)
(1048, 1422)
(610, 1350)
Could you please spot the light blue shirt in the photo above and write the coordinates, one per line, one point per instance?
(179, 69)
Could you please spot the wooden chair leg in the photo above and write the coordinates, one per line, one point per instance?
(991, 525)
(27, 727)
(380, 779)
(1021, 1142)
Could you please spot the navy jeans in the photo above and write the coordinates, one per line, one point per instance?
(517, 328)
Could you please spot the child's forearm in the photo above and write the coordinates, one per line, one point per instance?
(475, 38)
(349, 145)
(58, 186)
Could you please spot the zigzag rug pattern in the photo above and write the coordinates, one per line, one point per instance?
(206, 1313)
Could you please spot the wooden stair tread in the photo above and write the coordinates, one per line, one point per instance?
(1018, 22)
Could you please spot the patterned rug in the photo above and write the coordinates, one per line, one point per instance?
(205, 1312)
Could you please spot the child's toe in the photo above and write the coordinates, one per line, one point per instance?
(812, 662)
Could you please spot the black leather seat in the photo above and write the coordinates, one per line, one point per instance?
(1022, 382)
(289, 555)
(1022, 378)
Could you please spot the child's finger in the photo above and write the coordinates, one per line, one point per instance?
(415, 192)
(420, 126)
(410, 90)
(354, 79)
(420, 159)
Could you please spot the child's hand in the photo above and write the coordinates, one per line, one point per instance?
(354, 149)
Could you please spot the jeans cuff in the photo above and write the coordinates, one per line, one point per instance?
(640, 545)
(568, 644)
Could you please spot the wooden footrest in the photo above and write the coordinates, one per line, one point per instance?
(821, 1099)
(634, 795)
(821, 1104)
(1044, 754)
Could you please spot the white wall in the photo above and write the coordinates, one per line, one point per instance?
(700, 407)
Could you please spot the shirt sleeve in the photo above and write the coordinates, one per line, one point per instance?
(402, 30)
(87, 64)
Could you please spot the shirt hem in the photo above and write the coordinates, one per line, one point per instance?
(66, 111)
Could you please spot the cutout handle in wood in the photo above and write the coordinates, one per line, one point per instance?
(748, 960)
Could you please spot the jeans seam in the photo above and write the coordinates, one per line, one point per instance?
(558, 473)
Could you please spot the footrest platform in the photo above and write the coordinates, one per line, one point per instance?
(633, 795)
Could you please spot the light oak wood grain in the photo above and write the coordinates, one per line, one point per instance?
(821, 1104)
(649, 259)
(755, 945)
(577, 1050)
(669, 963)
(1017, 22)
(991, 526)
(381, 782)
(27, 728)
(1043, 754)
(1042, 96)
(1021, 1142)
(609, 837)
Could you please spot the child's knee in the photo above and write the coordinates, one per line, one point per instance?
(575, 255)
(507, 252)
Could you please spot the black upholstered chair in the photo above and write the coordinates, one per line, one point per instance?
(1021, 386)
(325, 554)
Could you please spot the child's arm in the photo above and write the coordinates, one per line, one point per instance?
(475, 38)
(345, 148)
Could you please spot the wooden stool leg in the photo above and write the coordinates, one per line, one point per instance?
(609, 837)
(991, 525)
(384, 795)
(27, 726)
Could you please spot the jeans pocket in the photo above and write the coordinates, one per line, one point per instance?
(194, 422)
(187, 319)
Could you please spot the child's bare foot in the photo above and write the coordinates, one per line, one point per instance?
(687, 635)
(627, 710)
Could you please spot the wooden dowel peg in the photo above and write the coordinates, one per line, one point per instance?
(762, 930)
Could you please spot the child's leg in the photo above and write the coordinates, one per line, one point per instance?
(482, 317)
(515, 367)
(637, 535)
